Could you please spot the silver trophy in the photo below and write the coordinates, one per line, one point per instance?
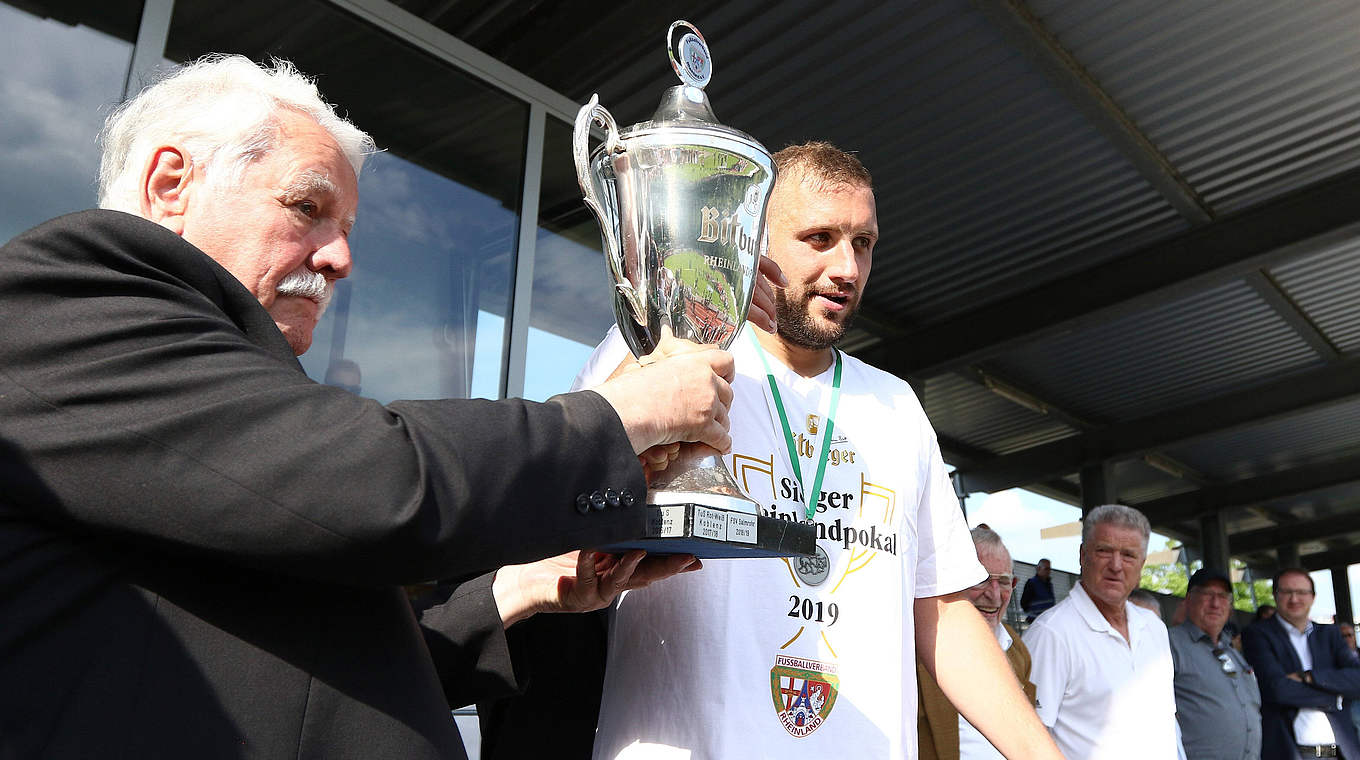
(681, 204)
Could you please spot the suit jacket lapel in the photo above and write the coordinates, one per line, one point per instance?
(1321, 655)
(1290, 659)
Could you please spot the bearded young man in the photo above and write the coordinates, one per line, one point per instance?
(816, 657)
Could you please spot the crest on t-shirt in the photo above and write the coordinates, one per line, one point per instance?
(813, 423)
(804, 692)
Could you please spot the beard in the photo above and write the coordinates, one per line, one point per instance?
(305, 283)
(797, 326)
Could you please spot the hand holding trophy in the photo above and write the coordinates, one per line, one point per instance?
(681, 204)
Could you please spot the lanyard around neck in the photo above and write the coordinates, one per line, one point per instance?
(828, 414)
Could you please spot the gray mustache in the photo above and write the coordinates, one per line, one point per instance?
(305, 283)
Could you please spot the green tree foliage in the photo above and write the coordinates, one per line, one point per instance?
(1173, 578)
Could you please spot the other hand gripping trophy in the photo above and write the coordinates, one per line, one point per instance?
(681, 204)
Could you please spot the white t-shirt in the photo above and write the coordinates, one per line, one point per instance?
(786, 658)
(972, 744)
(1101, 696)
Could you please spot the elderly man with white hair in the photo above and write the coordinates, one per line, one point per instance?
(201, 549)
(941, 733)
(1101, 664)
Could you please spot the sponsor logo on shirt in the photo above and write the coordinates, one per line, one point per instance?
(804, 692)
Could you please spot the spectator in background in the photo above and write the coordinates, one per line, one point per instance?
(1234, 634)
(941, 733)
(1218, 704)
(1305, 671)
(1347, 629)
(1147, 600)
(1038, 594)
(1264, 612)
(1103, 666)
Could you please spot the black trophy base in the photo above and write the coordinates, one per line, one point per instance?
(713, 533)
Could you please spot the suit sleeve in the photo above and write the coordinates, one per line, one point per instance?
(1342, 674)
(143, 398)
(467, 640)
(1260, 649)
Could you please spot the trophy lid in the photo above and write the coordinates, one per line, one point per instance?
(686, 105)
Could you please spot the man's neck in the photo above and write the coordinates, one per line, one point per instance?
(1302, 625)
(808, 362)
(1212, 634)
(1115, 615)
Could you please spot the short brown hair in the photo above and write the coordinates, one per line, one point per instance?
(1282, 572)
(824, 162)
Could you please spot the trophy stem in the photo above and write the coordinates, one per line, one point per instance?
(698, 476)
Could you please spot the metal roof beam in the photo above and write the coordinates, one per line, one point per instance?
(1287, 395)
(960, 454)
(1293, 482)
(1311, 530)
(1295, 225)
(1270, 291)
(1027, 32)
(1326, 560)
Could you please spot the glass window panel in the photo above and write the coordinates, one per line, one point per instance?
(64, 65)
(423, 314)
(571, 310)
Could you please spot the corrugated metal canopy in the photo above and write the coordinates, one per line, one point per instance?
(1118, 238)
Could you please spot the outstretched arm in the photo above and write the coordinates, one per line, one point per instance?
(579, 581)
(953, 642)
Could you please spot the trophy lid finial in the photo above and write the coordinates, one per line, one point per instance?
(689, 55)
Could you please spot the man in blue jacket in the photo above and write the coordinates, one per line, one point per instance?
(1304, 671)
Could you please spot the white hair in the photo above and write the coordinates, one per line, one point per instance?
(986, 540)
(1118, 515)
(225, 110)
(987, 537)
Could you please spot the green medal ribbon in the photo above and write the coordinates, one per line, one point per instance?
(813, 496)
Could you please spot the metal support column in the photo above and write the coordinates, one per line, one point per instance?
(1289, 555)
(1213, 541)
(1341, 588)
(152, 32)
(517, 326)
(960, 493)
(1096, 488)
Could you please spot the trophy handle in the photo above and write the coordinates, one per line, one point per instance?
(593, 112)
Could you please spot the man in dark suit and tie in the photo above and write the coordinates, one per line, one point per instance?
(201, 549)
(1305, 672)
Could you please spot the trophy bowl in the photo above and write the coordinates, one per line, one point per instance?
(681, 203)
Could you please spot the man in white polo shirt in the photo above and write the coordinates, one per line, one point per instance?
(1102, 666)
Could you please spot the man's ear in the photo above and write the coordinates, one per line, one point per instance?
(166, 181)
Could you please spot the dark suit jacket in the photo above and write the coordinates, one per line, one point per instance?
(1335, 671)
(200, 548)
(937, 722)
(1037, 596)
(560, 664)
